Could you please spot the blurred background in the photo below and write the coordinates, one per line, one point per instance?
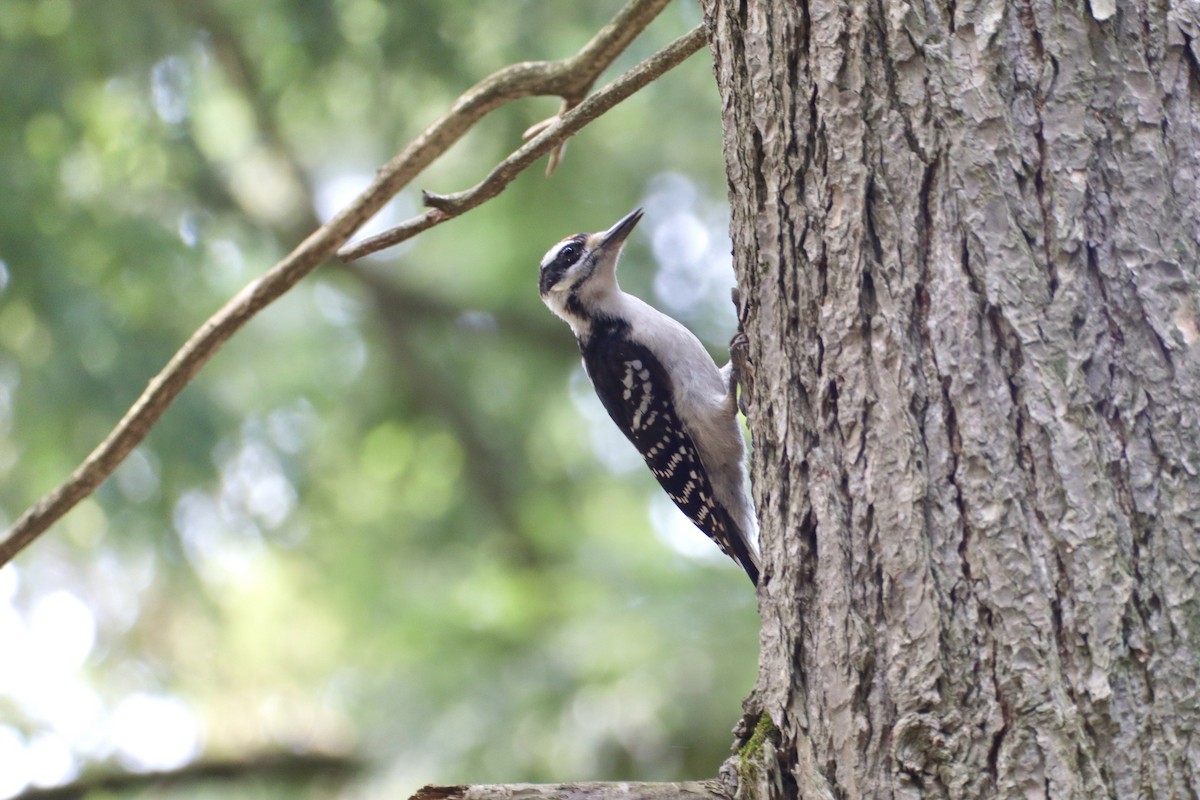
(388, 537)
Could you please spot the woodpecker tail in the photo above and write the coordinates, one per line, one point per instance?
(723, 529)
(748, 559)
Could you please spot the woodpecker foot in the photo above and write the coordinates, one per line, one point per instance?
(742, 371)
(739, 355)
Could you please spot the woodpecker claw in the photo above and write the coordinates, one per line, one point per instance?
(741, 371)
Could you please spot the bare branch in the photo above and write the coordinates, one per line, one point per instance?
(447, 207)
(569, 78)
(684, 790)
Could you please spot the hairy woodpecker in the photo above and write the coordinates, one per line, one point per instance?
(659, 385)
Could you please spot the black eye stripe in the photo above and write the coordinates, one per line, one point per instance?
(570, 252)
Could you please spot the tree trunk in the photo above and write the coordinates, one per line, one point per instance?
(967, 234)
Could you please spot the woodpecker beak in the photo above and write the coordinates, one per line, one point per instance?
(614, 237)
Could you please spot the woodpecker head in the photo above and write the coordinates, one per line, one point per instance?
(581, 270)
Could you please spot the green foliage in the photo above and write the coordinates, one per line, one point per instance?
(388, 517)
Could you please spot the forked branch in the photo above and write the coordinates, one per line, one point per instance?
(570, 79)
(447, 207)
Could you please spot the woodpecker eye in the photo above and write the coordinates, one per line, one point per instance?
(562, 257)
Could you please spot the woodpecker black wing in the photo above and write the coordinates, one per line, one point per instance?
(636, 391)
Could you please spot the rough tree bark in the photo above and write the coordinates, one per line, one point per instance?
(968, 237)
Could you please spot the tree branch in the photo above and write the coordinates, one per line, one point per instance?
(447, 207)
(567, 78)
(284, 768)
(684, 790)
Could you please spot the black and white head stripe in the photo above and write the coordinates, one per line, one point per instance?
(561, 258)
